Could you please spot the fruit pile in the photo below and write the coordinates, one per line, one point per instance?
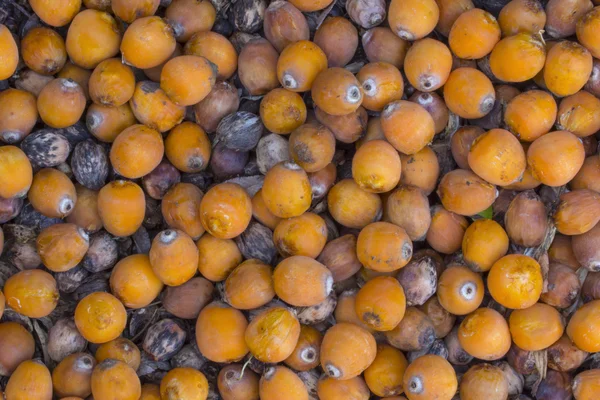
(302, 199)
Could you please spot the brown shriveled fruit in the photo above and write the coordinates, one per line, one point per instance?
(257, 66)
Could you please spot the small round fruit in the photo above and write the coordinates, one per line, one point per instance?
(536, 328)
(122, 206)
(338, 39)
(216, 49)
(311, 5)
(299, 64)
(568, 68)
(257, 66)
(335, 389)
(133, 281)
(531, 114)
(112, 83)
(352, 206)
(484, 243)
(446, 231)
(188, 148)
(235, 383)
(484, 381)
(407, 126)
(286, 190)
(302, 281)
(469, 93)
(306, 354)
(474, 34)
(312, 146)
(52, 193)
(579, 114)
(384, 247)
(16, 172)
(337, 91)
(380, 303)
(518, 58)
(31, 379)
(465, 193)
(184, 383)
(498, 157)
(413, 19)
(381, 44)
(10, 53)
(61, 103)
(71, 377)
(376, 167)
(282, 111)
(130, 10)
(450, 10)
(347, 350)
(460, 291)
(279, 379)
(429, 377)
(16, 346)
(18, 114)
(188, 17)
(304, 235)
(32, 293)
(136, 151)
(105, 123)
(217, 257)
(220, 333)
(273, 334)
(408, 207)
(420, 170)
(147, 42)
(555, 158)
(584, 327)
(93, 36)
(44, 51)
(428, 64)
(153, 108)
(100, 317)
(522, 16)
(515, 281)
(120, 349)
(174, 257)
(238, 294)
(484, 334)
(382, 83)
(111, 377)
(187, 80)
(384, 375)
(62, 246)
(586, 384)
(226, 210)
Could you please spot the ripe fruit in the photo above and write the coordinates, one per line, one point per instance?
(413, 19)
(555, 158)
(484, 243)
(336, 91)
(85, 214)
(536, 328)
(16, 173)
(30, 379)
(133, 281)
(426, 72)
(105, 123)
(112, 83)
(498, 157)
(347, 350)
(460, 291)
(216, 49)
(121, 205)
(174, 257)
(120, 349)
(515, 281)
(469, 93)
(130, 10)
(586, 384)
(286, 190)
(18, 115)
(187, 80)
(299, 64)
(407, 126)
(147, 42)
(136, 151)
(32, 293)
(112, 376)
(429, 376)
(447, 229)
(484, 381)
(376, 167)
(578, 114)
(302, 281)
(282, 111)
(188, 17)
(236, 291)
(383, 247)
(338, 39)
(568, 67)
(312, 146)
(100, 317)
(465, 193)
(188, 148)
(273, 334)
(52, 193)
(380, 303)
(518, 58)
(408, 207)
(583, 327)
(384, 375)
(306, 354)
(484, 334)
(522, 16)
(474, 34)
(531, 114)
(44, 51)
(10, 53)
(188, 383)
(62, 246)
(93, 36)
(152, 107)
(279, 379)
(304, 235)
(16, 346)
(225, 210)
(586, 30)
(334, 389)
(71, 377)
(61, 103)
(420, 169)
(220, 333)
(382, 83)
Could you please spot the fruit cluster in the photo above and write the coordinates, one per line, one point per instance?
(302, 199)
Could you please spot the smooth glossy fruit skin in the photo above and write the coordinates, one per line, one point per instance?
(380, 303)
(112, 376)
(136, 151)
(302, 281)
(9, 53)
(226, 210)
(381, 44)
(184, 383)
(299, 64)
(243, 297)
(17, 345)
(16, 172)
(474, 34)
(71, 377)
(430, 377)
(384, 375)
(121, 205)
(284, 24)
(583, 327)
(536, 328)
(217, 257)
(587, 29)
(522, 16)
(133, 281)
(484, 243)
(446, 231)
(105, 123)
(93, 36)
(484, 334)
(469, 93)
(555, 158)
(423, 70)
(273, 334)
(233, 385)
(187, 80)
(408, 207)
(515, 281)
(216, 49)
(460, 290)
(280, 379)
(517, 58)
(586, 384)
(568, 68)
(147, 42)
(100, 317)
(347, 350)
(257, 66)
(32, 293)
(337, 91)
(31, 379)
(413, 19)
(220, 331)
